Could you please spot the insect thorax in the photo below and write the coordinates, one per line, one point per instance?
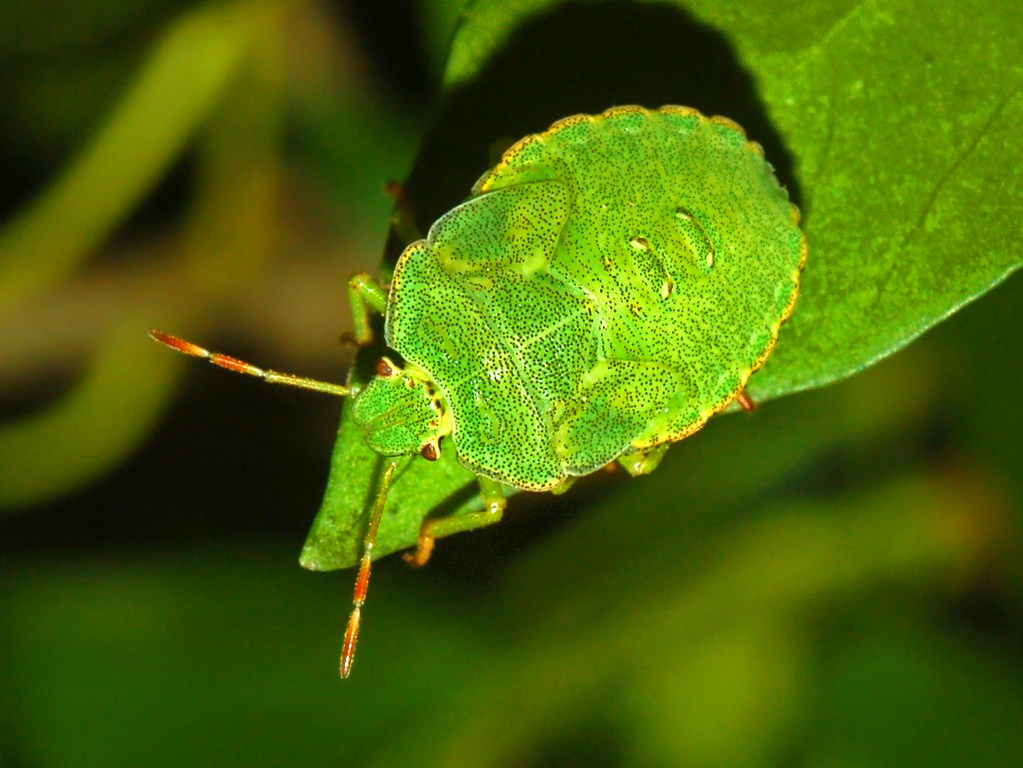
(402, 412)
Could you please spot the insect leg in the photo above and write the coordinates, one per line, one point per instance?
(643, 462)
(403, 221)
(744, 400)
(432, 529)
(567, 483)
(365, 295)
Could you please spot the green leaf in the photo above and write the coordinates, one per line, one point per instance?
(894, 123)
(906, 128)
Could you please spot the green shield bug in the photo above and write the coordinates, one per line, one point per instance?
(608, 286)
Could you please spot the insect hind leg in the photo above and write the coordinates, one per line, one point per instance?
(434, 528)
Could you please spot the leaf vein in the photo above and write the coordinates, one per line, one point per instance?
(957, 163)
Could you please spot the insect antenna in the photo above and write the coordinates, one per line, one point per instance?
(369, 541)
(240, 366)
(365, 563)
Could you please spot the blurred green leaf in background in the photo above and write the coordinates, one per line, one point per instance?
(832, 581)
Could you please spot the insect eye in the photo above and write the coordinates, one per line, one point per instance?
(430, 452)
(385, 369)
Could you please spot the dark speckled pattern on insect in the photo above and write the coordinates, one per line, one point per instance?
(608, 286)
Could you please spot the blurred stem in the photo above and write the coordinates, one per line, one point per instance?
(235, 217)
(297, 328)
(173, 92)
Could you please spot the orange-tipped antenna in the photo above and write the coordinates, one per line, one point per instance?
(362, 579)
(240, 366)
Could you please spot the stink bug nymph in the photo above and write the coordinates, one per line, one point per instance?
(608, 286)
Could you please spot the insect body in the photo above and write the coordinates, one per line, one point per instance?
(607, 287)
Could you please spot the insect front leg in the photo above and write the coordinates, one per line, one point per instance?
(643, 462)
(365, 295)
(434, 528)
